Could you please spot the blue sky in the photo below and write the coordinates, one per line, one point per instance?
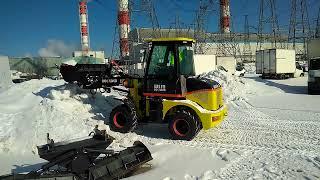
(28, 25)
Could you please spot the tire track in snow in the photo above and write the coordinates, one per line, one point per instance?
(275, 147)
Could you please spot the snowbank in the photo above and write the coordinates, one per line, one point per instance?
(234, 88)
(61, 110)
(250, 68)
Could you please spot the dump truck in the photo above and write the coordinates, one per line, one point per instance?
(278, 64)
(168, 92)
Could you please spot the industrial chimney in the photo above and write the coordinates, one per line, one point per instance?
(124, 27)
(225, 16)
(84, 29)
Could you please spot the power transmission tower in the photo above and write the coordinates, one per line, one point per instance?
(147, 6)
(299, 30)
(115, 52)
(268, 28)
(247, 52)
(202, 16)
(317, 34)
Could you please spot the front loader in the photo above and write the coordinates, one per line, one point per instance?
(169, 92)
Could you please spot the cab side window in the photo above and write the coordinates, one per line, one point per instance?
(186, 61)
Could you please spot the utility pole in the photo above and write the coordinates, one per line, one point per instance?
(268, 28)
(247, 52)
(299, 30)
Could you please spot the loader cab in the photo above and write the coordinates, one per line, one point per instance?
(169, 62)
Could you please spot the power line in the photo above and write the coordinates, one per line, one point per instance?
(268, 28)
(299, 30)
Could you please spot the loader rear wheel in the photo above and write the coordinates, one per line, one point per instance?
(183, 125)
(123, 118)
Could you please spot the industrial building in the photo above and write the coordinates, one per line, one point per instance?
(44, 66)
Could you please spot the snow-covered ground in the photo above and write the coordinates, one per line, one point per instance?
(272, 131)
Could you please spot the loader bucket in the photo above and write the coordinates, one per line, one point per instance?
(51, 152)
(119, 165)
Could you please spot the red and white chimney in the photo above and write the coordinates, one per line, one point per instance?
(225, 16)
(124, 26)
(84, 29)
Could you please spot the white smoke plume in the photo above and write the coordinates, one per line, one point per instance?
(57, 48)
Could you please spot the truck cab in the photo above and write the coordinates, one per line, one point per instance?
(314, 75)
(314, 66)
(299, 70)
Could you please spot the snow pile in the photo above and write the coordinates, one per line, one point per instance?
(61, 110)
(250, 68)
(234, 88)
(71, 62)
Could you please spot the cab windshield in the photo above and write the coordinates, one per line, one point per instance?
(314, 64)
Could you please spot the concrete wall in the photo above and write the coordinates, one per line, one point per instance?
(5, 75)
(204, 63)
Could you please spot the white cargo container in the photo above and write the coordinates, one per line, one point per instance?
(204, 63)
(277, 63)
(259, 62)
(314, 66)
(266, 62)
(227, 62)
(282, 61)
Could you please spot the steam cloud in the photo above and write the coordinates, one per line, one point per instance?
(56, 48)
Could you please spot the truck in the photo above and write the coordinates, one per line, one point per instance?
(278, 64)
(314, 66)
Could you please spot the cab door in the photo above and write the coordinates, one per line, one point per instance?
(161, 78)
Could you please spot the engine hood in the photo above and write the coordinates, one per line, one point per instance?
(200, 83)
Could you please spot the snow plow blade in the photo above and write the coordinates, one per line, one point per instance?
(86, 159)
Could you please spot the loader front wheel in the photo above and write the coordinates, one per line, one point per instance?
(183, 125)
(123, 119)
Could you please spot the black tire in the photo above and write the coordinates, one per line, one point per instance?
(123, 118)
(310, 91)
(184, 125)
(282, 76)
